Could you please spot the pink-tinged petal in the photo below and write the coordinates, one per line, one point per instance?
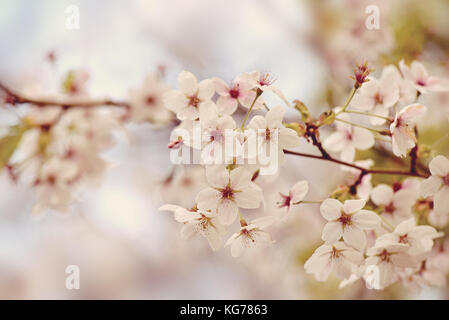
(206, 89)
(214, 238)
(217, 176)
(175, 100)
(403, 260)
(441, 200)
(207, 199)
(238, 247)
(335, 142)
(406, 72)
(299, 191)
(331, 209)
(187, 83)
(188, 113)
(227, 105)
(404, 199)
(332, 232)
(437, 84)
(247, 98)
(348, 153)
(354, 237)
(240, 178)
(403, 139)
(353, 256)
(380, 110)
(439, 166)
(243, 83)
(188, 231)
(411, 113)
(430, 186)
(288, 138)
(365, 219)
(274, 117)
(221, 87)
(258, 122)
(351, 206)
(405, 226)
(227, 211)
(248, 198)
(341, 268)
(418, 70)
(382, 195)
(362, 139)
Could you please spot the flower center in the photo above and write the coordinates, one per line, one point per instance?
(378, 98)
(194, 101)
(285, 201)
(421, 82)
(267, 134)
(345, 219)
(446, 180)
(390, 208)
(335, 253)
(234, 93)
(150, 100)
(51, 180)
(403, 239)
(227, 193)
(397, 186)
(384, 255)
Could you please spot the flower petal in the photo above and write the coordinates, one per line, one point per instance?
(299, 191)
(187, 83)
(439, 166)
(351, 206)
(332, 232)
(331, 209)
(354, 237)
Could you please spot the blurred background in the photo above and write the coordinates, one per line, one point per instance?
(125, 248)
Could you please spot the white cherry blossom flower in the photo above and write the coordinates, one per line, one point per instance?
(295, 195)
(190, 97)
(198, 222)
(336, 257)
(53, 185)
(251, 235)
(403, 128)
(240, 91)
(437, 185)
(383, 263)
(347, 139)
(418, 75)
(264, 82)
(146, 103)
(216, 131)
(418, 238)
(347, 220)
(378, 95)
(269, 129)
(396, 203)
(227, 192)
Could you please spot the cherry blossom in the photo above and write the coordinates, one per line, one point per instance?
(264, 82)
(383, 262)
(239, 92)
(336, 257)
(396, 204)
(190, 97)
(378, 95)
(53, 185)
(198, 222)
(147, 103)
(437, 185)
(295, 195)
(269, 130)
(418, 238)
(347, 220)
(228, 191)
(347, 139)
(418, 75)
(403, 128)
(251, 235)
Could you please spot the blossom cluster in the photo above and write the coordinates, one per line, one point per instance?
(380, 234)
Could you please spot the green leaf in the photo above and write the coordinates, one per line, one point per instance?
(9, 143)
